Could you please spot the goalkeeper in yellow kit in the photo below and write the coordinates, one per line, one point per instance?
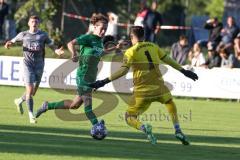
(144, 58)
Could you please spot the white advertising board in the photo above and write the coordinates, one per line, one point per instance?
(60, 73)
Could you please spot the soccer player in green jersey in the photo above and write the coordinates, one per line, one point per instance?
(91, 50)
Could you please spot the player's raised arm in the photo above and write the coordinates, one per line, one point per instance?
(71, 48)
(110, 45)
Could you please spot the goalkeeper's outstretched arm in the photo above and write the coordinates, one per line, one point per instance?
(166, 59)
(100, 83)
(121, 72)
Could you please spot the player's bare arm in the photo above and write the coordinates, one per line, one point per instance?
(71, 48)
(58, 51)
(8, 44)
(110, 45)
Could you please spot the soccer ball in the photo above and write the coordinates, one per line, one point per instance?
(99, 131)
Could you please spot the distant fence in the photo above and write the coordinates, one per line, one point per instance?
(125, 25)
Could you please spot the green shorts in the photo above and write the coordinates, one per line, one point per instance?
(82, 86)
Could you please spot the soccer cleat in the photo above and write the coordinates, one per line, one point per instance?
(32, 120)
(180, 136)
(102, 122)
(18, 103)
(150, 136)
(42, 109)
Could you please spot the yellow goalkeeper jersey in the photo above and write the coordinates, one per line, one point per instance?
(144, 58)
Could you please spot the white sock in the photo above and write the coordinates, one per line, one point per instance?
(20, 100)
(30, 114)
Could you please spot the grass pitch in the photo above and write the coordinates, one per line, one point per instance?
(212, 127)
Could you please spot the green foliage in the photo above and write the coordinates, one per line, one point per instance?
(196, 7)
(46, 10)
(215, 8)
(174, 12)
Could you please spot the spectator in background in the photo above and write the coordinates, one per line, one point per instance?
(228, 59)
(228, 34)
(196, 56)
(141, 15)
(153, 18)
(214, 27)
(213, 59)
(237, 47)
(112, 29)
(91, 26)
(3, 12)
(180, 50)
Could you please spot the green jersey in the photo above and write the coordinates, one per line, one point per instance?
(91, 50)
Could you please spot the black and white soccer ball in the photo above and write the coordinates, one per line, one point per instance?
(99, 131)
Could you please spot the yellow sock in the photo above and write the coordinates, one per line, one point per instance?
(172, 110)
(134, 122)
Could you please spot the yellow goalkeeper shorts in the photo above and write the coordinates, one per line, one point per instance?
(138, 105)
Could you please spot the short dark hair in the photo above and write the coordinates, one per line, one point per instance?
(99, 17)
(182, 37)
(155, 1)
(34, 17)
(224, 51)
(138, 31)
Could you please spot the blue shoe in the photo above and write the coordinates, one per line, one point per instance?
(42, 109)
(152, 139)
(180, 136)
